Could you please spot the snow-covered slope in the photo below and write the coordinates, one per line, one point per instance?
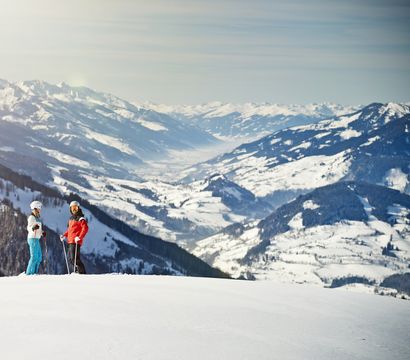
(368, 145)
(156, 318)
(76, 130)
(342, 233)
(249, 120)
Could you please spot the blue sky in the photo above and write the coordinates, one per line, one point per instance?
(174, 52)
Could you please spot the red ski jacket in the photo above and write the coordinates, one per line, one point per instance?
(77, 226)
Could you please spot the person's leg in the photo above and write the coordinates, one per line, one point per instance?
(70, 255)
(80, 265)
(38, 255)
(31, 264)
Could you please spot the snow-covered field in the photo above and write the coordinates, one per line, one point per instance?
(150, 317)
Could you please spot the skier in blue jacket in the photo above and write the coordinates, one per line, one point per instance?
(35, 232)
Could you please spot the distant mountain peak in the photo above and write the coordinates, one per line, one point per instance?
(218, 109)
(396, 109)
(250, 120)
(80, 128)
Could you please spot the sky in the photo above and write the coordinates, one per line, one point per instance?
(190, 52)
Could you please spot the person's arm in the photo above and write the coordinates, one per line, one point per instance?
(64, 236)
(31, 222)
(84, 229)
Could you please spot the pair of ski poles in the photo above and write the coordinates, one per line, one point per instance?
(65, 255)
(75, 257)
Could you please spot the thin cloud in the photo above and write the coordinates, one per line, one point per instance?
(181, 41)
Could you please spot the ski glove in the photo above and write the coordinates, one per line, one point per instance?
(36, 227)
(44, 234)
(77, 239)
(62, 237)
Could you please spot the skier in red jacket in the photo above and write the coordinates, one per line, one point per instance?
(77, 229)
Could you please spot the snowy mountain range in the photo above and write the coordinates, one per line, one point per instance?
(94, 144)
(345, 228)
(347, 232)
(273, 170)
(371, 145)
(48, 128)
(80, 141)
(250, 120)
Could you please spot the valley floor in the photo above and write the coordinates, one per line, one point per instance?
(158, 317)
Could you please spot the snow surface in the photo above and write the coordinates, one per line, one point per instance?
(310, 204)
(349, 133)
(371, 141)
(155, 317)
(109, 141)
(255, 174)
(394, 109)
(151, 125)
(296, 222)
(396, 179)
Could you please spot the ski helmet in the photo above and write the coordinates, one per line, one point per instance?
(74, 203)
(36, 205)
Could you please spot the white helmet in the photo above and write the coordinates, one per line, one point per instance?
(36, 205)
(74, 203)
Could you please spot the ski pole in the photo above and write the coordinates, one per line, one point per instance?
(65, 255)
(45, 245)
(75, 258)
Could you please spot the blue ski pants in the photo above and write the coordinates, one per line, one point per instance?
(35, 256)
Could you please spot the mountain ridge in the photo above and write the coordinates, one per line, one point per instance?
(249, 120)
(66, 126)
(347, 230)
(336, 148)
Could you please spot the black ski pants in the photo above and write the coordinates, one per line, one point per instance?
(71, 257)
